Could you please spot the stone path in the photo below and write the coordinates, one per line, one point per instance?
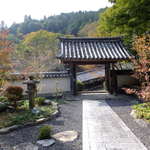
(104, 130)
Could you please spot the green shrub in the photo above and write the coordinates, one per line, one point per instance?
(14, 94)
(23, 117)
(142, 110)
(3, 99)
(45, 132)
(24, 105)
(39, 100)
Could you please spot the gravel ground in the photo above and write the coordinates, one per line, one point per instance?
(122, 106)
(69, 119)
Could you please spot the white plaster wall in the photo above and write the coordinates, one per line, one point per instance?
(126, 80)
(49, 85)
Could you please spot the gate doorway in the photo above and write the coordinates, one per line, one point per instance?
(91, 78)
(93, 51)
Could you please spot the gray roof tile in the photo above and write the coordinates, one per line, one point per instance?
(93, 49)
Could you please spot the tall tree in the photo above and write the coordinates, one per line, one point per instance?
(37, 51)
(89, 30)
(125, 17)
(6, 48)
(65, 23)
(142, 65)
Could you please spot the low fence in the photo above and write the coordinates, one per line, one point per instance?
(50, 82)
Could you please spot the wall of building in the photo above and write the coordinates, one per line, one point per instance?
(126, 80)
(49, 84)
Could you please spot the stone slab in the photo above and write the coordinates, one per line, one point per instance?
(66, 136)
(103, 129)
(46, 142)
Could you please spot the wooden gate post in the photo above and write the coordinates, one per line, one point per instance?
(73, 79)
(114, 81)
(107, 76)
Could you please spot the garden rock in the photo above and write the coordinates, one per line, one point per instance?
(3, 107)
(66, 136)
(46, 142)
(8, 129)
(47, 102)
(25, 146)
(36, 111)
(133, 114)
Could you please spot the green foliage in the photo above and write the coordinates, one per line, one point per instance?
(65, 23)
(23, 115)
(45, 132)
(112, 1)
(143, 110)
(89, 30)
(37, 51)
(80, 85)
(125, 17)
(60, 101)
(39, 100)
(3, 99)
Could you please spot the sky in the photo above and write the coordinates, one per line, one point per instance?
(14, 10)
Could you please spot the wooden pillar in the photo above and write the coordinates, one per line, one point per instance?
(107, 76)
(114, 81)
(73, 79)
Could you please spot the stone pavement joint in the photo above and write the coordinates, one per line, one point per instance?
(104, 130)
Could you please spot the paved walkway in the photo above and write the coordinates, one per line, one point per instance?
(104, 130)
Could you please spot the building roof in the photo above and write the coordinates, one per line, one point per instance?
(97, 49)
(91, 74)
(21, 76)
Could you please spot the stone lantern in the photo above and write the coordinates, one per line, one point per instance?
(31, 90)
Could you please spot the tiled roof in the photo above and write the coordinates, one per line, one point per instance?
(93, 49)
(90, 74)
(59, 74)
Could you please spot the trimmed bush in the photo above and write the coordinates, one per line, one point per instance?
(45, 132)
(14, 94)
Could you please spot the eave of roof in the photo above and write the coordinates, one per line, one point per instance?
(93, 49)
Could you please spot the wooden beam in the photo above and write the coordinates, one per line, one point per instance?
(114, 80)
(85, 62)
(73, 79)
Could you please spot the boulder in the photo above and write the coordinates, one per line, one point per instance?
(66, 136)
(3, 106)
(133, 114)
(36, 111)
(46, 142)
(47, 102)
(8, 129)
